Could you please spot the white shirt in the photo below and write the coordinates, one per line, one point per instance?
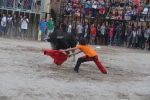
(86, 28)
(9, 20)
(69, 28)
(134, 33)
(146, 34)
(80, 29)
(103, 30)
(24, 24)
(3, 21)
(139, 32)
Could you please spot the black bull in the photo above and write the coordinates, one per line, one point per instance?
(62, 40)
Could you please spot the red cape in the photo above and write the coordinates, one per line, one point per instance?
(59, 57)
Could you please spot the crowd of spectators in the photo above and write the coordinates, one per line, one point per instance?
(114, 33)
(110, 35)
(11, 26)
(110, 9)
(34, 5)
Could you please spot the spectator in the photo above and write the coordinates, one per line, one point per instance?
(39, 4)
(9, 25)
(127, 15)
(14, 25)
(3, 25)
(118, 35)
(68, 9)
(79, 30)
(64, 27)
(87, 8)
(139, 37)
(4, 3)
(145, 11)
(50, 25)
(146, 38)
(24, 27)
(94, 7)
(98, 33)
(116, 15)
(73, 1)
(107, 35)
(86, 30)
(69, 28)
(19, 27)
(102, 12)
(129, 35)
(92, 34)
(111, 33)
(0, 21)
(102, 34)
(134, 33)
(43, 27)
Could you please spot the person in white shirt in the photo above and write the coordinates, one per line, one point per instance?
(69, 27)
(24, 27)
(79, 30)
(9, 24)
(146, 37)
(86, 30)
(134, 33)
(3, 25)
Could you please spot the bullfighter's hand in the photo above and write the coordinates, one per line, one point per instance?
(61, 50)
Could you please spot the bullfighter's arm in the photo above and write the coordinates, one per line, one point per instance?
(69, 49)
(74, 53)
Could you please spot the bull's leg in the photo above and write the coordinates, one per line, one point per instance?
(53, 46)
(73, 55)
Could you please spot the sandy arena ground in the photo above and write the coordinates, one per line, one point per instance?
(27, 74)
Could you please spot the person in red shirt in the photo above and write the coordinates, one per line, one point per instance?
(101, 12)
(92, 34)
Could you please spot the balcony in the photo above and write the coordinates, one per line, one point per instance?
(25, 5)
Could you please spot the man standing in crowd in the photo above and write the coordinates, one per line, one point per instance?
(79, 30)
(68, 9)
(3, 25)
(14, 25)
(24, 27)
(102, 34)
(118, 35)
(43, 27)
(50, 25)
(39, 4)
(69, 27)
(19, 27)
(129, 35)
(9, 25)
(86, 30)
(64, 27)
(92, 34)
(146, 37)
